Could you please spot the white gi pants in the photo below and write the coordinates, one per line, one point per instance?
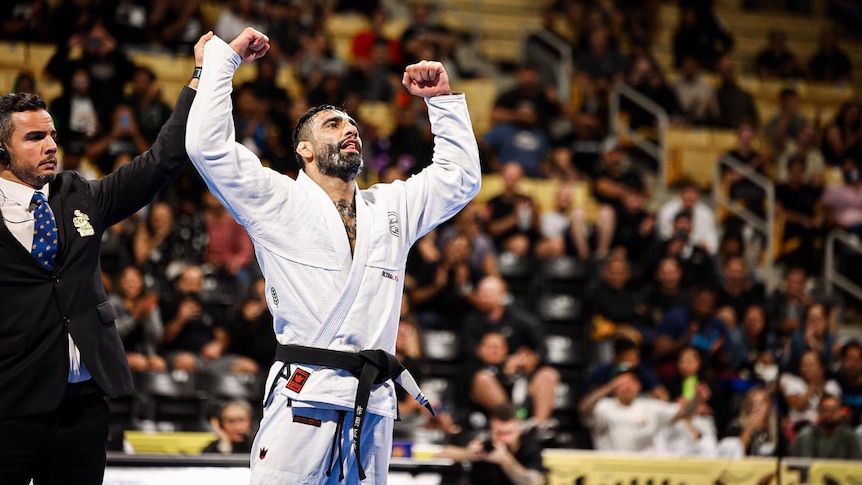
(294, 446)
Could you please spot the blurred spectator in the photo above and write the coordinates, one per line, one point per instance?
(506, 456)
(850, 378)
(524, 359)
(195, 336)
(798, 204)
(177, 25)
(121, 137)
(830, 437)
(444, 282)
(127, 20)
(521, 140)
(139, 321)
(288, 25)
(555, 227)
(646, 79)
(664, 291)
(735, 105)
(848, 13)
(229, 251)
(117, 246)
(251, 332)
(740, 188)
(25, 20)
(633, 229)
(109, 68)
(843, 136)
(843, 202)
(621, 420)
(697, 100)
(804, 146)
(513, 218)
(785, 307)
(254, 128)
(154, 245)
(804, 389)
(814, 335)
(830, 63)
(776, 60)
(423, 30)
(601, 60)
(149, 109)
(702, 35)
(640, 16)
(614, 308)
(233, 428)
(738, 290)
(528, 88)
(72, 18)
(364, 41)
(755, 431)
(787, 122)
(238, 15)
(693, 325)
(470, 222)
(751, 343)
(584, 144)
(627, 357)
(698, 267)
(375, 78)
(703, 230)
(77, 114)
(25, 82)
(693, 435)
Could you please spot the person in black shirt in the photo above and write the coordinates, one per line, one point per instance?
(830, 63)
(513, 217)
(506, 456)
(776, 61)
(798, 202)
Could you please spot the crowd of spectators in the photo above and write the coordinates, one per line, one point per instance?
(686, 346)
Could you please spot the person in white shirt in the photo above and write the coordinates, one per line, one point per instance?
(622, 420)
(333, 258)
(804, 391)
(704, 231)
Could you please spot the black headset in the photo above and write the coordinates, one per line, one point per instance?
(4, 155)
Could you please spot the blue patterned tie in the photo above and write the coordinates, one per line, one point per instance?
(44, 232)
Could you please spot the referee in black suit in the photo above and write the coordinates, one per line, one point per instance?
(59, 348)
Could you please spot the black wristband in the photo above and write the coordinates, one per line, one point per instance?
(197, 73)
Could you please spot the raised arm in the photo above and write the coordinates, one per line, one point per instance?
(232, 172)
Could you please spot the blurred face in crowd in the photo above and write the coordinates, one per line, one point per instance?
(491, 294)
(191, 281)
(628, 389)
(810, 367)
(830, 414)
(506, 432)
(236, 421)
(512, 173)
(754, 320)
(617, 274)
(688, 363)
(816, 320)
(493, 349)
(736, 272)
(669, 273)
(131, 282)
(703, 304)
(458, 249)
(689, 196)
(851, 362)
(795, 281)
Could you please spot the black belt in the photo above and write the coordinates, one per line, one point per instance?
(371, 367)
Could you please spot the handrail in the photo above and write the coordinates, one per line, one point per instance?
(765, 226)
(564, 70)
(830, 273)
(656, 150)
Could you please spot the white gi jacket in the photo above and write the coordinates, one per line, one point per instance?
(318, 294)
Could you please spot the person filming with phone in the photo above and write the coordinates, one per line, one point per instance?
(504, 455)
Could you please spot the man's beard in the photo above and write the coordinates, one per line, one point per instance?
(331, 162)
(31, 177)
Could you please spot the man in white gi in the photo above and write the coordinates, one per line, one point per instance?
(334, 258)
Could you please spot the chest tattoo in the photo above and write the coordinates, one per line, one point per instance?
(347, 210)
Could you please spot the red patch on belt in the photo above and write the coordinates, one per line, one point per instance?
(308, 421)
(297, 380)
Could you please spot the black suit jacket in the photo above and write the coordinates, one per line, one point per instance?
(38, 308)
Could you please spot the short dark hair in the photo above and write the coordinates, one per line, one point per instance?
(624, 344)
(683, 214)
(302, 132)
(503, 412)
(852, 344)
(16, 103)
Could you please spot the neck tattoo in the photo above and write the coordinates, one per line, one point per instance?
(347, 211)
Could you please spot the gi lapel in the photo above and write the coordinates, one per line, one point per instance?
(354, 279)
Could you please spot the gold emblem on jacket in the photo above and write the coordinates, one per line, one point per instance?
(81, 222)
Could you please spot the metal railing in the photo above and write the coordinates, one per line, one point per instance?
(831, 275)
(657, 150)
(763, 225)
(562, 65)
